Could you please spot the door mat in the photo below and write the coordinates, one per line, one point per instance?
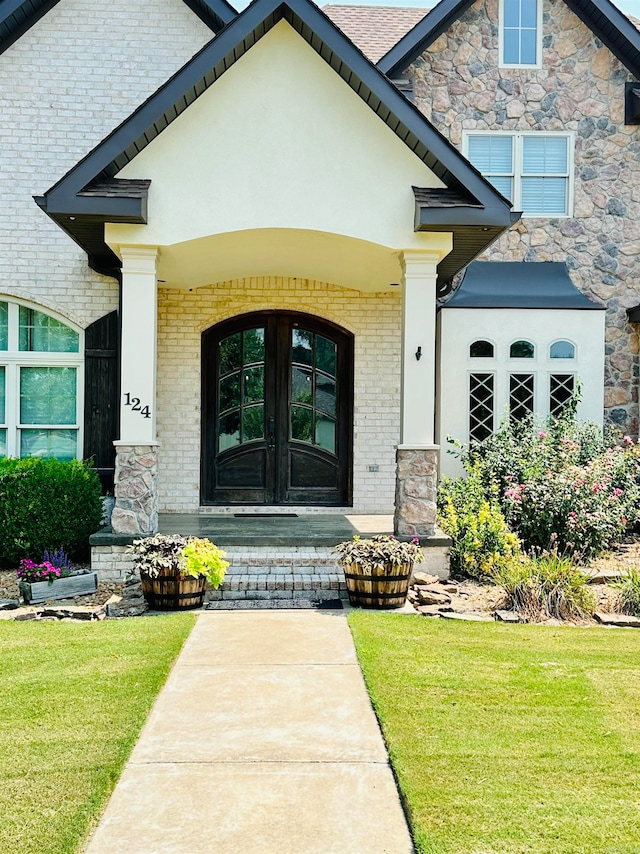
(265, 515)
(274, 604)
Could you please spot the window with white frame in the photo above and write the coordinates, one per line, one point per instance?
(40, 384)
(518, 377)
(533, 170)
(520, 33)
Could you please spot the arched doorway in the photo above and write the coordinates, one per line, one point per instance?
(277, 424)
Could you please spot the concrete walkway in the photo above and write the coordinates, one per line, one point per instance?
(263, 740)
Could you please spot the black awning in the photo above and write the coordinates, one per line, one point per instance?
(518, 284)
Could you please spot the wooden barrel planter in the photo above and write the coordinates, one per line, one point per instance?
(174, 592)
(385, 587)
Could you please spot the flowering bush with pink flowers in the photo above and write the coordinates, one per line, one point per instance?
(561, 485)
(32, 572)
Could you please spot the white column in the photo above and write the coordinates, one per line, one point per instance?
(418, 388)
(139, 345)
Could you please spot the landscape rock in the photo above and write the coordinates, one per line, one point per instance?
(604, 576)
(9, 604)
(421, 577)
(622, 620)
(428, 597)
(469, 616)
(508, 617)
(433, 610)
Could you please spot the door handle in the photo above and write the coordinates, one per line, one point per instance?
(271, 438)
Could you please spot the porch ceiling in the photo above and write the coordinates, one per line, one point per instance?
(293, 253)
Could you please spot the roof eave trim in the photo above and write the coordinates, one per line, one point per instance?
(442, 16)
(486, 217)
(223, 51)
(426, 31)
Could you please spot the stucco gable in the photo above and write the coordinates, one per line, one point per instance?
(81, 214)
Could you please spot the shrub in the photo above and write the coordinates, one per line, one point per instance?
(47, 505)
(560, 484)
(482, 540)
(629, 595)
(546, 586)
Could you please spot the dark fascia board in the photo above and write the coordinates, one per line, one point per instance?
(634, 314)
(18, 16)
(605, 20)
(65, 202)
(133, 135)
(632, 104)
(447, 219)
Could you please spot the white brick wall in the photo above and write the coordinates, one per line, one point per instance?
(79, 72)
(374, 319)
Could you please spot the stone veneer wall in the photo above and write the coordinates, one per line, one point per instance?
(459, 86)
(64, 85)
(375, 320)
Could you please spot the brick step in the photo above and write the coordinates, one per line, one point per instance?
(281, 561)
(273, 604)
(269, 586)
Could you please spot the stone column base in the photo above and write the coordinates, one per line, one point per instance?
(416, 484)
(136, 489)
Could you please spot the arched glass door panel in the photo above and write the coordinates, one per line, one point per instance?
(277, 411)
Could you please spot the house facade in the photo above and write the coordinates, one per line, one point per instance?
(236, 280)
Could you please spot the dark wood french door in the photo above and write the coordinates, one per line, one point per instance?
(277, 420)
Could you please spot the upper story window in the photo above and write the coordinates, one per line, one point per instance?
(562, 350)
(522, 350)
(40, 384)
(533, 170)
(520, 33)
(481, 350)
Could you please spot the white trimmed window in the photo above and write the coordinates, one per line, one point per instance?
(519, 378)
(41, 381)
(533, 170)
(520, 33)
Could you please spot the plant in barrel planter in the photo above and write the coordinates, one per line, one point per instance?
(175, 570)
(378, 571)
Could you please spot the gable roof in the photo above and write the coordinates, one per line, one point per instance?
(90, 195)
(374, 29)
(610, 25)
(18, 16)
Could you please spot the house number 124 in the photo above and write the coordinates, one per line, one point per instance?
(134, 403)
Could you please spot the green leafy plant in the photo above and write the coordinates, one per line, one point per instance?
(378, 551)
(47, 505)
(172, 554)
(201, 557)
(549, 585)
(482, 540)
(629, 596)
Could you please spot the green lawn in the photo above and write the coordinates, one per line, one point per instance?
(509, 738)
(73, 697)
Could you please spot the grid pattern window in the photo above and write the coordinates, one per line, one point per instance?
(41, 377)
(481, 406)
(521, 396)
(533, 170)
(520, 32)
(561, 391)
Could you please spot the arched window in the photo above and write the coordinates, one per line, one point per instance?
(481, 350)
(562, 350)
(522, 350)
(40, 384)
